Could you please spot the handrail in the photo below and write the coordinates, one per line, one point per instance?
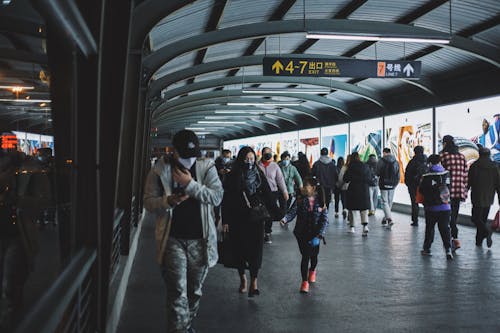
(47, 314)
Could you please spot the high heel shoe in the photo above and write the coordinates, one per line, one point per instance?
(253, 292)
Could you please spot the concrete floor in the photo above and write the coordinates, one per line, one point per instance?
(378, 284)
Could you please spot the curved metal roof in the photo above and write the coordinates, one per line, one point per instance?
(220, 67)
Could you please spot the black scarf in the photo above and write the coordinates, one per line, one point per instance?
(251, 180)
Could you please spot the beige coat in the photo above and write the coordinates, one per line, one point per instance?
(207, 190)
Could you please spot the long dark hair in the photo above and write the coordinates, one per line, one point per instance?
(239, 163)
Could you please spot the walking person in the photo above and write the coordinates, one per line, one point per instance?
(278, 188)
(456, 164)
(245, 182)
(302, 165)
(310, 228)
(292, 180)
(388, 172)
(343, 185)
(373, 183)
(484, 182)
(182, 190)
(435, 188)
(339, 195)
(413, 173)
(325, 171)
(358, 193)
(223, 165)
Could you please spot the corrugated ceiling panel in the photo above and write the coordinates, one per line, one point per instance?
(345, 96)
(490, 37)
(464, 15)
(380, 84)
(283, 44)
(383, 10)
(445, 60)
(332, 47)
(315, 9)
(390, 50)
(187, 22)
(226, 50)
(238, 12)
(181, 62)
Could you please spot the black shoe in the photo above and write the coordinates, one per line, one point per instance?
(426, 252)
(253, 292)
(267, 238)
(384, 221)
(414, 224)
(489, 241)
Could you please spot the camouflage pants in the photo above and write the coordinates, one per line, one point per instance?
(184, 269)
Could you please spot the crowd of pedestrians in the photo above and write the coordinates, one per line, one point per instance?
(243, 196)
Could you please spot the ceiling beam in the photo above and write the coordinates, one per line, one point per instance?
(19, 55)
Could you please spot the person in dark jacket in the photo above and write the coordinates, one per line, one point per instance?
(372, 164)
(358, 192)
(302, 165)
(223, 165)
(246, 237)
(388, 172)
(325, 172)
(484, 182)
(310, 228)
(338, 193)
(414, 171)
(435, 187)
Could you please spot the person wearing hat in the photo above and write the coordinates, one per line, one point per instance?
(455, 162)
(182, 190)
(413, 173)
(484, 182)
(325, 171)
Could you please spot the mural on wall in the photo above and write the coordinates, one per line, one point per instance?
(310, 147)
(402, 139)
(370, 143)
(289, 142)
(336, 144)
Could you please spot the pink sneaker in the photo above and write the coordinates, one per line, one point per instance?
(304, 287)
(312, 276)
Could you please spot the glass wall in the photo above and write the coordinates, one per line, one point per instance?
(470, 123)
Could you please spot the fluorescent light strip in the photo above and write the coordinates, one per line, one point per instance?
(25, 100)
(264, 103)
(287, 90)
(235, 116)
(221, 122)
(245, 112)
(378, 38)
(18, 87)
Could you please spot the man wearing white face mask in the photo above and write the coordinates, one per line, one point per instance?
(183, 190)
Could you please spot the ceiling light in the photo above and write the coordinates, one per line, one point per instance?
(245, 112)
(27, 100)
(235, 116)
(274, 103)
(286, 90)
(16, 88)
(221, 122)
(195, 128)
(376, 38)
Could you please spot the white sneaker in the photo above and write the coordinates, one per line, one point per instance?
(351, 230)
(365, 230)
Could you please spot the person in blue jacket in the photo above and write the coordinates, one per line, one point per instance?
(311, 212)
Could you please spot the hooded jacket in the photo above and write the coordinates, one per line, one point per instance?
(414, 170)
(207, 190)
(484, 182)
(291, 176)
(432, 200)
(325, 172)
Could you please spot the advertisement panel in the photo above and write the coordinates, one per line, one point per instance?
(309, 144)
(335, 138)
(289, 141)
(366, 138)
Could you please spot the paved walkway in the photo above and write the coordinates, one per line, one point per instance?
(378, 284)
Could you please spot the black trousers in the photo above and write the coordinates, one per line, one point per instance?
(328, 196)
(443, 221)
(339, 196)
(480, 219)
(455, 206)
(414, 204)
(277, 197)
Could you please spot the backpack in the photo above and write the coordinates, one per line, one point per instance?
(441, 189)
(389, 177)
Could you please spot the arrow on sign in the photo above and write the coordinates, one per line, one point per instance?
(408, 69)
(277, 67)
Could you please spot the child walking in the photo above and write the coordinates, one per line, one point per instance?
(310, 228)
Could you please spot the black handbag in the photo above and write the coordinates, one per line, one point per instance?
(257, 210)
(228, 255)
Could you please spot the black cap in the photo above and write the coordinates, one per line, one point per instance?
(434, 159)
(324, 151)
(186, 143)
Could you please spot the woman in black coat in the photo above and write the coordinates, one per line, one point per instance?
(245, 237)
(358, 193)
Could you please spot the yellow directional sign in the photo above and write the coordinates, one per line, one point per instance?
(277, 67)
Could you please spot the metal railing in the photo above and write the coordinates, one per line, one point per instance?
(67, 305)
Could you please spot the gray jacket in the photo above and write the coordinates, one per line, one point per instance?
(207, 190)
